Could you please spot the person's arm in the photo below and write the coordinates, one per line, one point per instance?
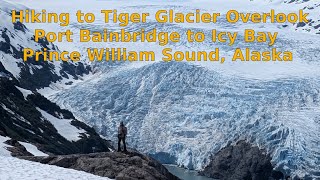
(125, 131)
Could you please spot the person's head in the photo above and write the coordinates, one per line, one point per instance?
(121, 123)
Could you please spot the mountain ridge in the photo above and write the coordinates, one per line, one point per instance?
(26, 115)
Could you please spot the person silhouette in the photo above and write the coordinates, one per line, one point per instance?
(122, 134)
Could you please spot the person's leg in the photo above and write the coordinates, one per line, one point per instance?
(119, 145)
(124, 144)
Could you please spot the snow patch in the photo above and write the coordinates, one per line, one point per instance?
(13, 168)
(63, 126)
(25, 92)
(10, 65)
(33, 149)
(8, 110)
(3, 147)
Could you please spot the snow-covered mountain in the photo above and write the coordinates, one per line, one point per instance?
(313, 8)
(30, 123)
(31, 75)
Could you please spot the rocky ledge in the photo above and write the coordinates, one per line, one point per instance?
(114, 165)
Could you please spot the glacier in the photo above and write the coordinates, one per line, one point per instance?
(189, 111)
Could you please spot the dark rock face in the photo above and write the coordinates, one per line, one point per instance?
(120, 166)
(277, 175)
(19, 26)
(241, 161)
(20, 120)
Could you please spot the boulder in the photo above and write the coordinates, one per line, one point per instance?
(240, 161)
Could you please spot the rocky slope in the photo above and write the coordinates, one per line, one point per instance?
(313, 8)
(25, 115)
(239, 161)
(34, 119)
(120, 166)
(32, 75)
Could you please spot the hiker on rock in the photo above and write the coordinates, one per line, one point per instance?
(122, 133)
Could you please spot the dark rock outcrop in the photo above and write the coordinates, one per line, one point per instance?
(120, 166)
(277, 175)
(240, 161)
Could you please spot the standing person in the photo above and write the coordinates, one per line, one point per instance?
(122, 134)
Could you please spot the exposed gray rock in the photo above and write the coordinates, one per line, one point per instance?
(241, 161)
(115, 165)
(17, 149)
